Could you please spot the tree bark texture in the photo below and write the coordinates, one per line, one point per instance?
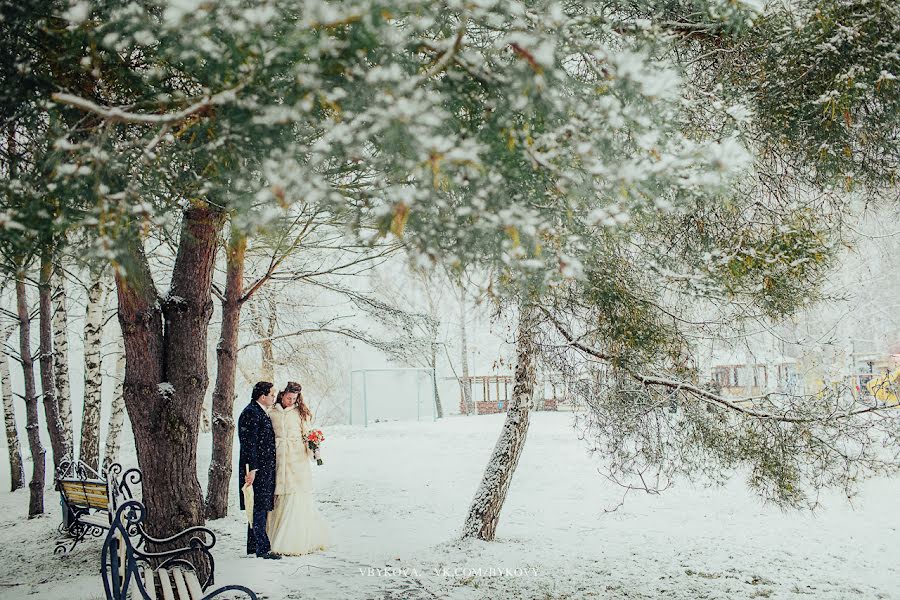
(466, 385)
(61, 354)
(484, 513)
(16, 466)
(439, 409)
(267, 348)
(226, 369)
(48, 375)
(116, 413)
(36, 485)
(166, 371)
(93, 374)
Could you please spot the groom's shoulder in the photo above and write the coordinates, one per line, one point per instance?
(249, 410)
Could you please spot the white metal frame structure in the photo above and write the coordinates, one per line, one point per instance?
(365, 372)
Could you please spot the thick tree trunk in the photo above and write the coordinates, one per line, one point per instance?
(48, 376)
(116, 413)
(93, 375)
(166, 372)
(36, 485)
(61, 354)
(16, 466)
(464, 355)
(484, 513)
(226, 370)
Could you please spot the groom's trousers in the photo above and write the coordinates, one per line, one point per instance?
(257, 539)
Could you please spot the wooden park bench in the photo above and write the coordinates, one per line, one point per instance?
(89, 499)
(130, 569)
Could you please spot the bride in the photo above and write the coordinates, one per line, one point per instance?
(294, 526)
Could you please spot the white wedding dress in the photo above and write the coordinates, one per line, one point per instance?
(295, 525)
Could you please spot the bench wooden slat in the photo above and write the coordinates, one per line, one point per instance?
(193, 585)
(85, 494)
(92, 494)
(180, 587)
(75, 489)
(165, 584)
(91, 503)
(86, 484)
(100, 520)
(71, 494)
(149, 583)
(80, 498)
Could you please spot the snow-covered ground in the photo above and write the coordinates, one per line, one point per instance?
(396, 495)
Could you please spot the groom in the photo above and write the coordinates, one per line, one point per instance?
(258, 456)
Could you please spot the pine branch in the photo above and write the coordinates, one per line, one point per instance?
(705, 395)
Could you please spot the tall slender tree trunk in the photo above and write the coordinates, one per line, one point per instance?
(116, 413)
(484, 513)
(226, 370)
(93, 375)
(16, 466)
(61, 354)
(464, 354)
(434, 387)
(267, 347)
(48, 376)
(166, 374)
(36, 485)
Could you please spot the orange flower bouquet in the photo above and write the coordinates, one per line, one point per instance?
(315, 438)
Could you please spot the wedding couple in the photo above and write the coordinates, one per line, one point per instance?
(275, 459)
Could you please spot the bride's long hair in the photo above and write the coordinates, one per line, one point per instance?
(302, 408)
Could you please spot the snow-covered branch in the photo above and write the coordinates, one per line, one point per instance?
(117, 114)
(741, 405)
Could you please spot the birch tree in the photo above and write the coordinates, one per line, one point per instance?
(484, 512)
(93, 373)
(116, 412)
(16, 466)
(58, 443)
(61, 353)
(465, 384)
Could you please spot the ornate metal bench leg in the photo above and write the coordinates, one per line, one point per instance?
(77, 531)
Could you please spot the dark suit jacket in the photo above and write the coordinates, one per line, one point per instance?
(257, 440)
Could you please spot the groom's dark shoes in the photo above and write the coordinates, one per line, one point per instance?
(271, 556)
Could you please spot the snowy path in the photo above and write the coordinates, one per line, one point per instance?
(396, 495)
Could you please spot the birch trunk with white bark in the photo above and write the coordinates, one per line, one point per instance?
(61, 450)
(93, 377)
(116, 413)
(484, 513)
(16, 466)
(465, 384)
(61, 354)
(266, 330)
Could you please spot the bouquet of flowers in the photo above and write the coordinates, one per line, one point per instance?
(314, 438)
